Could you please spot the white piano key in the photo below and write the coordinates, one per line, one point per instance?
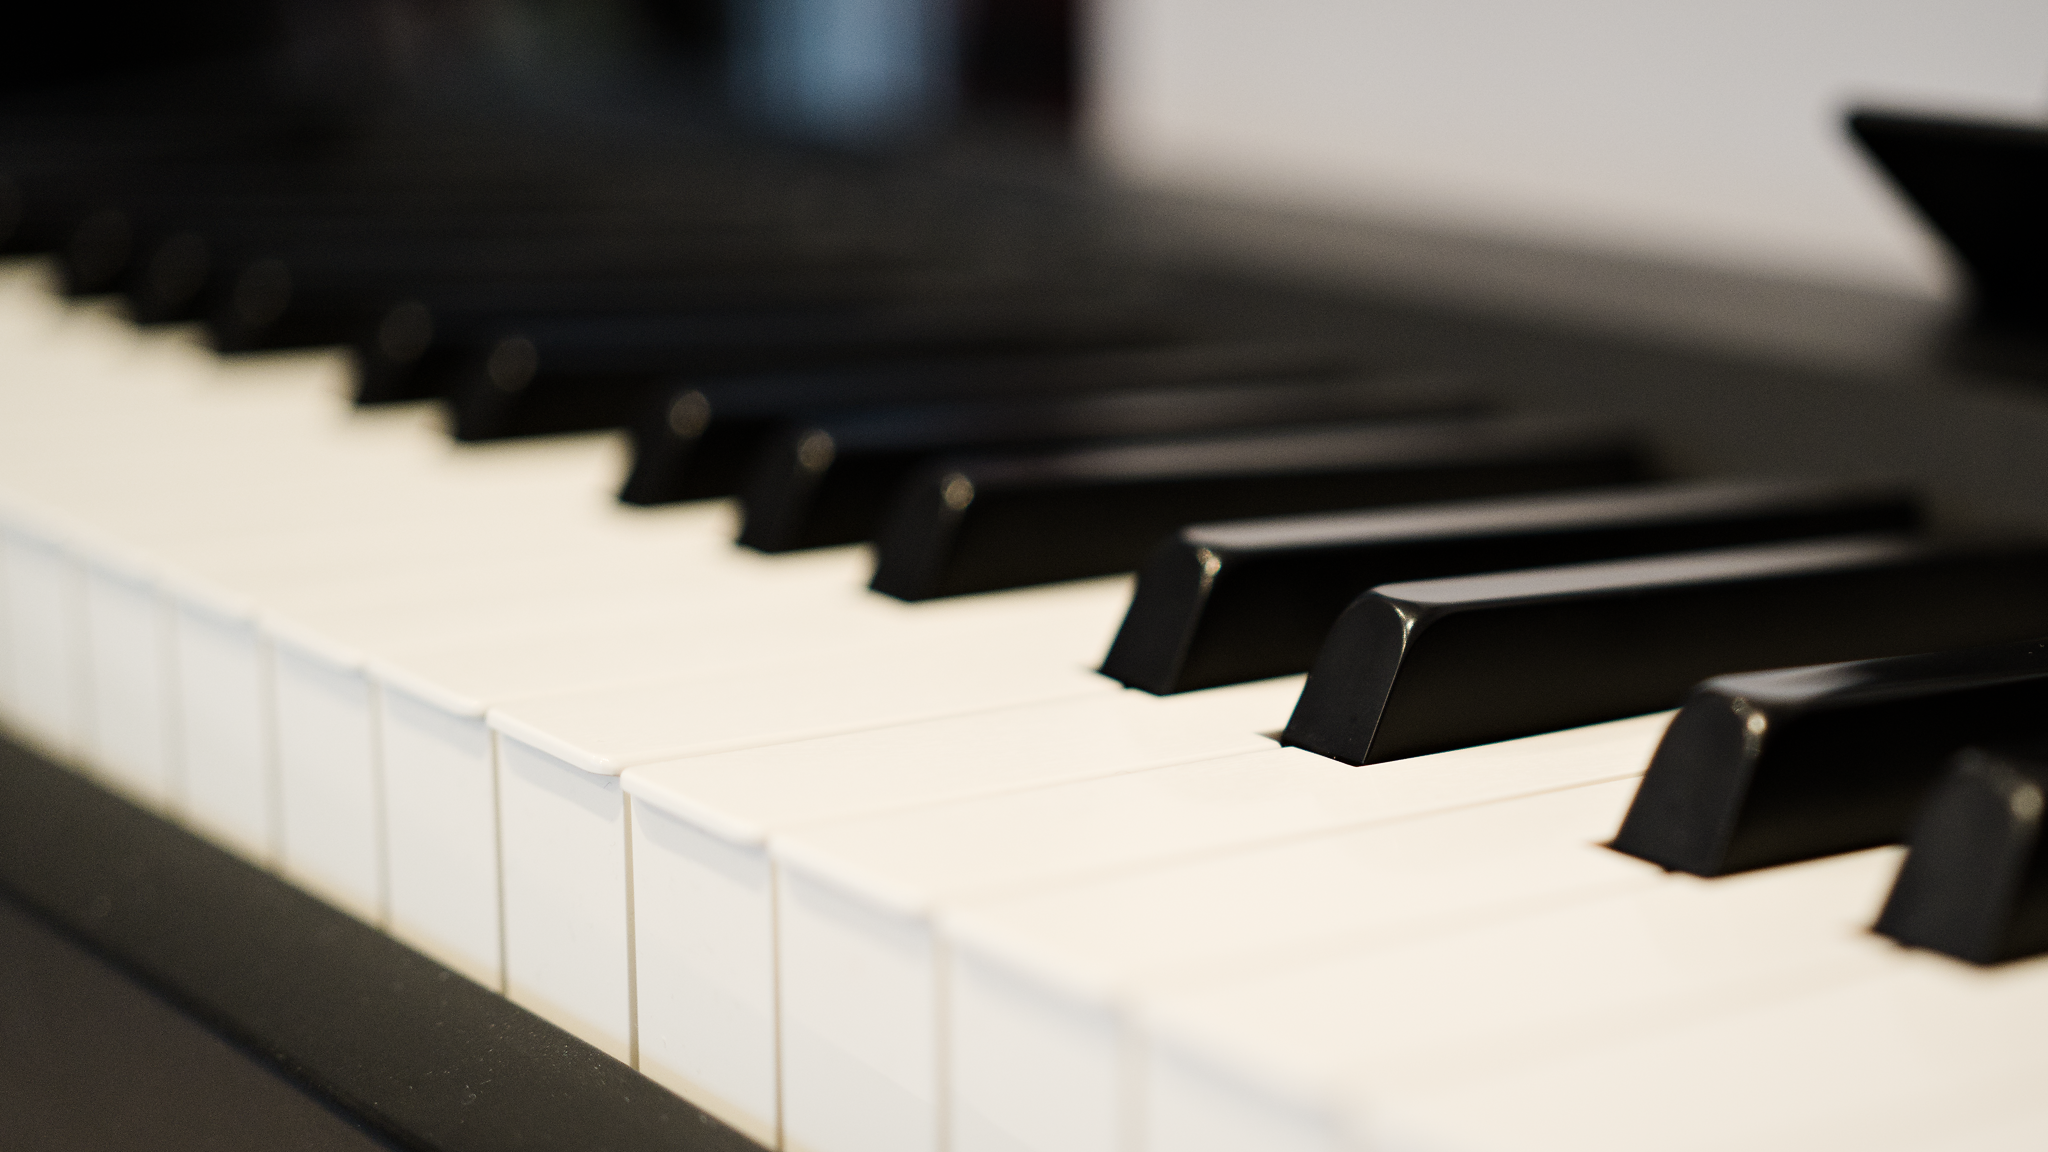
(1910, 1052)
(8, 656)
(567, 899)
(858, 957)
(1263, 1055)
(573, 642)
(1047, 639)
(215, 521)
(213, 535)
(703, 923)
(47, 694)
(1034, 1041)
(346, 801)
(554, 876)
(441, 834)
(333, 775)
(329, 832)
(438, 775)
(330, 791)
(221, 680)
(130, 736)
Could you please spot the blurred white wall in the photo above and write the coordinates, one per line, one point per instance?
(1707, 130)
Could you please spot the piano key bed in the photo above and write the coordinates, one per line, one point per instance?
(501, 813)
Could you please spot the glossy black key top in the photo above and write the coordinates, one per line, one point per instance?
(1766, 768)
(407, 349)
(1436, 664)
(1227, 603)
(984, 522)
(827, 481)
(695, 440)
(279, 298)
(566, 376)
(1975, 882)
(184, 269)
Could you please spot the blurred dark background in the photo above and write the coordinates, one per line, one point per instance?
(849, 71)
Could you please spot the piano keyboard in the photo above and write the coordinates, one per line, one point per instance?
(852, 873)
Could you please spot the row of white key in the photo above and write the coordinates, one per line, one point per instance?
(902, 900)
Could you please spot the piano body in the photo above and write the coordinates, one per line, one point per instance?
(493, 812)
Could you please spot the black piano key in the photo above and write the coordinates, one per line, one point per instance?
(182, 264)
(1435, 664)
(1004, 520)
(578, 374)
(1228, 603)
(282, 302)
(407, 349)
(1975, 882)
(120, 218)
(415, 217)
(54, 179)
(116, 235)
(1767, 768)
(695, 440)
(828, 481)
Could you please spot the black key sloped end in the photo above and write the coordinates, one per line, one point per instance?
(1510, 654)
(1354, 677)
(492, 398)
(1771, 767)
(786, 502)
(664, 433)
(1172, 596)
(1975, 881)
(395, 354)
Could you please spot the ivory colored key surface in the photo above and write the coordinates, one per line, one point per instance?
(563, 821)
(1034, 1044)
(181, 480)
(858, 957)
(250, 565)
(435, 770)
(1256, 1061)
(1911, 1052)
(114, 458)
(45, 635)
(222, 653)
(336, 789)
(472, 643)
(703, 920)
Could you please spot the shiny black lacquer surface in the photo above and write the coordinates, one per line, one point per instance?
(975, 523)
(55, 163)
(827, 481)
(184, 260)
(1227, 603)
(408, 345)
(1429, 665)
(1975, 881)
(571, 374)
(694, 440)
(1766, 768)
(116, 220)
(287, 293)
